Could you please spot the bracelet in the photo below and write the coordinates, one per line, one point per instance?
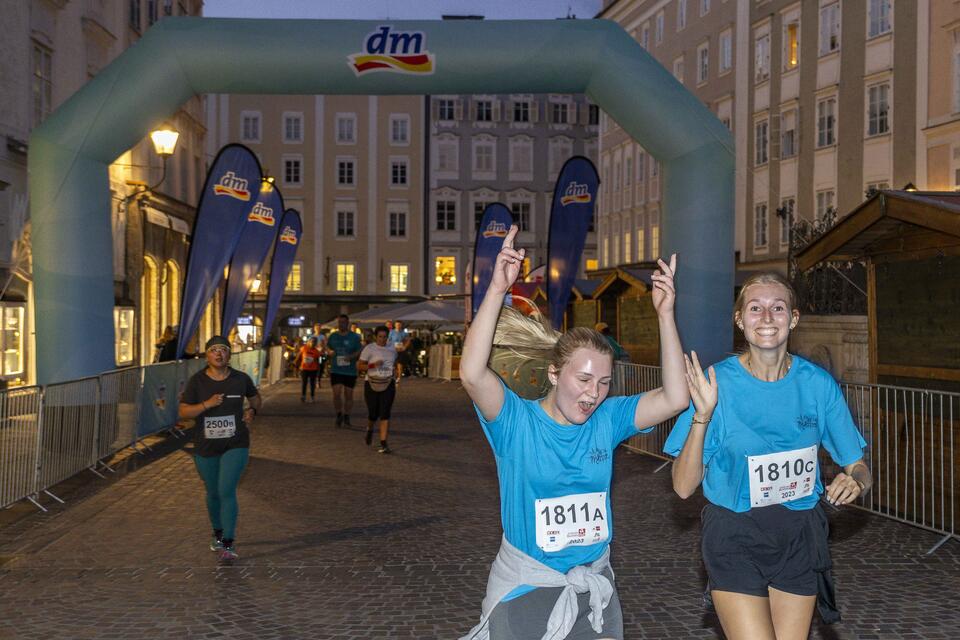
(203, 404)
(695, 421)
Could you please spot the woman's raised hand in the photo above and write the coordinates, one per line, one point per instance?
(507, 267)
(664, 294)
(703, 391)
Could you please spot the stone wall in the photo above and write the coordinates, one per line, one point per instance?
(837, 343)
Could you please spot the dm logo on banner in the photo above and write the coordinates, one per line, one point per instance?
(231, 184)
(387, 49)
(574, 198)
(283, 255)
(494, 226)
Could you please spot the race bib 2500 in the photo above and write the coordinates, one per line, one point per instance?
(218, 427)
(574, 520)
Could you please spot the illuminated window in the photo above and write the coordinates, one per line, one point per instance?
(445, 270)
(592, 264)
(11, 340)
(655, 236)
(123, 336)
(399, 278)
(791, 43)
(295, 277)
(170, 294)
(346, 276)
(525, 268)
(627, 247)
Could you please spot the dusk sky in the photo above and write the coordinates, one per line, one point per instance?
(400, 9)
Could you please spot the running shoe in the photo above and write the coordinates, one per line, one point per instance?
(215, 544)
(369, 437)
(384, 449)
(228, 554)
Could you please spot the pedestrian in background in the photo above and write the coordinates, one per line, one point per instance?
(308, 361)
(379, 361)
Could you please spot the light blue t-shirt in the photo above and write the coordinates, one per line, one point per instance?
(538, 458)
(396, 337)
(753, 417)
(342, 346)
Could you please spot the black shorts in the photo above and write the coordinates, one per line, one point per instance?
(338, 378)
(526, 616)
(764, 547)
(379, 403)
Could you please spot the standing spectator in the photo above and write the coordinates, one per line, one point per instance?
(619, 353)
(308, 360)
(168, 351)
(344, 347)
(379, 361)
(322, 347)
(399, 339)
(165, 338)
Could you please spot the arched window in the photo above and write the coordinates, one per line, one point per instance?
(149, 306)
(170, 294)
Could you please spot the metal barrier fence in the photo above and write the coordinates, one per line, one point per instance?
(911, 447)
(49, 434)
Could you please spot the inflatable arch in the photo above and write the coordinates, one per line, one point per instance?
(179, 57)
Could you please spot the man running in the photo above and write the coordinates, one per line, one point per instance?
(344, 347)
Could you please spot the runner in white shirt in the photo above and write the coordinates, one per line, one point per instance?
(379, 362)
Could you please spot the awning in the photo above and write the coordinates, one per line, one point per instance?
(166, 220)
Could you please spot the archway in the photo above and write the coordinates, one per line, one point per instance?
(180, 57)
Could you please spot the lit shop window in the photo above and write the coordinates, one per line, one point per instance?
(445, 270)
(294, 278)
(346, 280)
(592, 264)
(122, 331)
(12, 341)
(399, 278)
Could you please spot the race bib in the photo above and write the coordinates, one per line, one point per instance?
(575, 520)
(219, 427)
(308, 359)
(343, 361)
(781, 477)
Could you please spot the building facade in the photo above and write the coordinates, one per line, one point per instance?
(938, 97)
(500, 148)
(353, 166)
(49, 50)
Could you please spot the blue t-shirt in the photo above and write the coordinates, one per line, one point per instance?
(396, 337)
(538, 458)
(753, 417)
(343, 345)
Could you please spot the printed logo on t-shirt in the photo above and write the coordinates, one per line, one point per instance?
(807, 422)
(598, 455)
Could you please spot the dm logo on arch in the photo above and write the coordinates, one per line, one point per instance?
(387, 49)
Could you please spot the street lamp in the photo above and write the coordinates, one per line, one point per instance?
(164, 144)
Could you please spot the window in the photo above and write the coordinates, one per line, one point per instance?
(135, 14)
(654, 180)
(399, 278)
(400, 129)
(250, 126)
(558, 112)
(42, 83)
(446, 215)
(478, 209)
(448, 155)
(829, 28)
(616, 178)
(762, 58)
(484, 110)
(878, 108)
(956, 71)
(678, 69)
(398, 173)
(398, 224)
(704, 7)
(655, 235)
(345, 227)
(483, 157)
(521, 157)
(560, 150)
(168, 7)
(593, 117)
(703, 62)
(627, 247)
(345, 173)
(873, 187)
(824, 203)
(658, 29)
(292, 127)
(785, 213)
(760, 226)
(791, 46)
(122, 331)
(152, 11)
(826, 122)
(445, 270)
(295, 277)
(446, 109)
(726, 51)
(641, 241)
(879, 16)
(645, 35)
(346, 276)
(788, 133)
(606, 251)
(681, 14)
(627, 171)
(346, 129)
(761, 130)
(521, 111)
(292, 171)
(521, 215)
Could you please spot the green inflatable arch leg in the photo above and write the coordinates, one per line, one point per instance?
(179, 57)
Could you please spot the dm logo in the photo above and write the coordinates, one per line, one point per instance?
(231, 185)
(262, 214)
(495, 230)
(395, 51)
(289, 236)
(575, 194)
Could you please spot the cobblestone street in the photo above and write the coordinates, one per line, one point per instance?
(338, 542)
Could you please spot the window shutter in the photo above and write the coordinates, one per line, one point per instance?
(534, 111)
(458, 109)
(473, 111)
(496, 110)
(573, 112)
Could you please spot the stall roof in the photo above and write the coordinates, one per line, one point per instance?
(584, 289)
(879, 225)
(635, 276)
(418, 313)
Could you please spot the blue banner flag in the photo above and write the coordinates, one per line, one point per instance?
(493, 228)
(283, 254)
(572, 212)
(231, 188)
(255, 243)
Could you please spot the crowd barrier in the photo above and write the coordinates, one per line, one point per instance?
(49, 434)
(911, 447)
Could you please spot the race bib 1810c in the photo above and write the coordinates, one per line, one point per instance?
(781, 477)
(574, 520)
(218, 427)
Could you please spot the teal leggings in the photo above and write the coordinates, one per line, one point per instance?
(221, 475)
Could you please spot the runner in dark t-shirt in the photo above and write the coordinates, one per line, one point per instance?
(214, 396)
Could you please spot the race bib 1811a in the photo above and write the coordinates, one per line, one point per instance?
(780, 477)
(215, 428)
(574, 520)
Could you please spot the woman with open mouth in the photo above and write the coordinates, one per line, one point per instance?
(552, 576)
